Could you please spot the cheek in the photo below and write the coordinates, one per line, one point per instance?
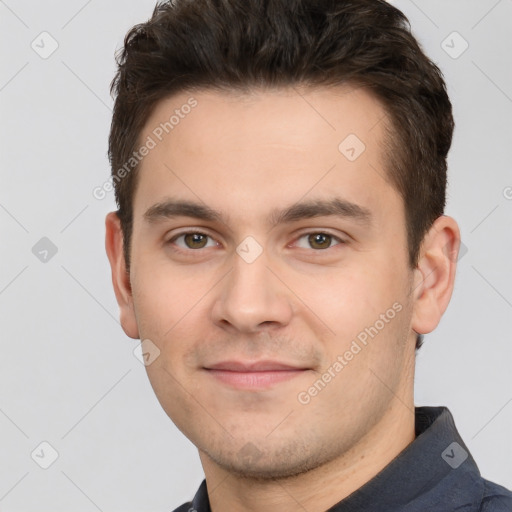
(162, 296)
(369, 297)
(173, 311)
(167, 310)
(349, 297)
(159, 303)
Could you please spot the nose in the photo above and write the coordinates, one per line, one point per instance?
(252, 297)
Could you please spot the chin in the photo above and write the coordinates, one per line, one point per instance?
(251, 463)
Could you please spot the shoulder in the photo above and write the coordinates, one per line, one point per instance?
(200, 502)
(186, 507)
(496, 498)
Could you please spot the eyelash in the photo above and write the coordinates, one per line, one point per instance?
(302, 235)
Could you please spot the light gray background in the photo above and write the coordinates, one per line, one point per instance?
(68, 375)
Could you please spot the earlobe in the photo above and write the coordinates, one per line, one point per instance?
(120, 278)
(435, 274)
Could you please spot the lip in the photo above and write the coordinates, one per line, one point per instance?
(253, 375)
(254, 366)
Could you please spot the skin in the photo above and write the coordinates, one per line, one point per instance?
(302, 301)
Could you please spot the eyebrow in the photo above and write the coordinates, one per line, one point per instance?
(335, 207)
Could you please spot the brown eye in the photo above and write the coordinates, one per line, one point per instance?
(195, 240)
(192, 240)
(320, 240)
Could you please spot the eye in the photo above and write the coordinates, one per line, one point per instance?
(319, 240)
(192, 240)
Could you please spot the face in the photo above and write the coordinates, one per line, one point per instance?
(269, 270)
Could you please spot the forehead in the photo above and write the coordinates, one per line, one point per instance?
(267, 116)
(264, 147)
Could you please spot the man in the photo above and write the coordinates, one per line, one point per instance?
(280, 249)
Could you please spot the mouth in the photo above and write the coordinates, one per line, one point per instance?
(254, 375)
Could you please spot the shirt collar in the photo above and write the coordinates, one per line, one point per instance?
(435, 472)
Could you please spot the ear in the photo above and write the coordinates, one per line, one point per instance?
(434, 276)
(120, 278)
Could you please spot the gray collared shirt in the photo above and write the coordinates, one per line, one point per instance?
(435, 473)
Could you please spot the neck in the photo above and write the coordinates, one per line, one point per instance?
(322, 487)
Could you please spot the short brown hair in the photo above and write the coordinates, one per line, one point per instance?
(244, 44)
